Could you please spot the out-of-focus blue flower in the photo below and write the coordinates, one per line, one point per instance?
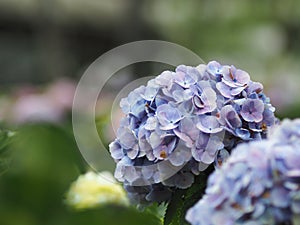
(258, 184)
(183, 121)
(289, 132)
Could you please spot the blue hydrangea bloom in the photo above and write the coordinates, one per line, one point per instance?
(183, 121)
(258, 184)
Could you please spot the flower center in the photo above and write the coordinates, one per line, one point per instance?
(163, 154)
(231, 75)
(264, 127)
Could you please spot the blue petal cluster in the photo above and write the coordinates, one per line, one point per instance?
(259, 183)
(183, 121)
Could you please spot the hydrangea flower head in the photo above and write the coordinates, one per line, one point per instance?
(183, 121)
(259, 183)
(91, 190)
(288, 133)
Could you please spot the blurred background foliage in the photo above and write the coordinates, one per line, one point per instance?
(46, 45)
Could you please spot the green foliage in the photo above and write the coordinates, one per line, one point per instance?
(182, 200)
(157, 210)
(113, 215)
(296, 220)
(6, 138)
(45, 160)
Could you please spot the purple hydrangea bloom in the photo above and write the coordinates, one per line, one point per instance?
(168, 116)
(258, 184)
(234, 81)
(252, 110)
(235, 77)
(181, 122)
(186, 76)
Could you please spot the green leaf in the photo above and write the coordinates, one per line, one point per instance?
(44, 162)
(113, 215)
(6, 138)
(158, 210)
(182, 200)
(296, 219)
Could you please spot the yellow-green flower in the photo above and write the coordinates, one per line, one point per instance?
(94, 189)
